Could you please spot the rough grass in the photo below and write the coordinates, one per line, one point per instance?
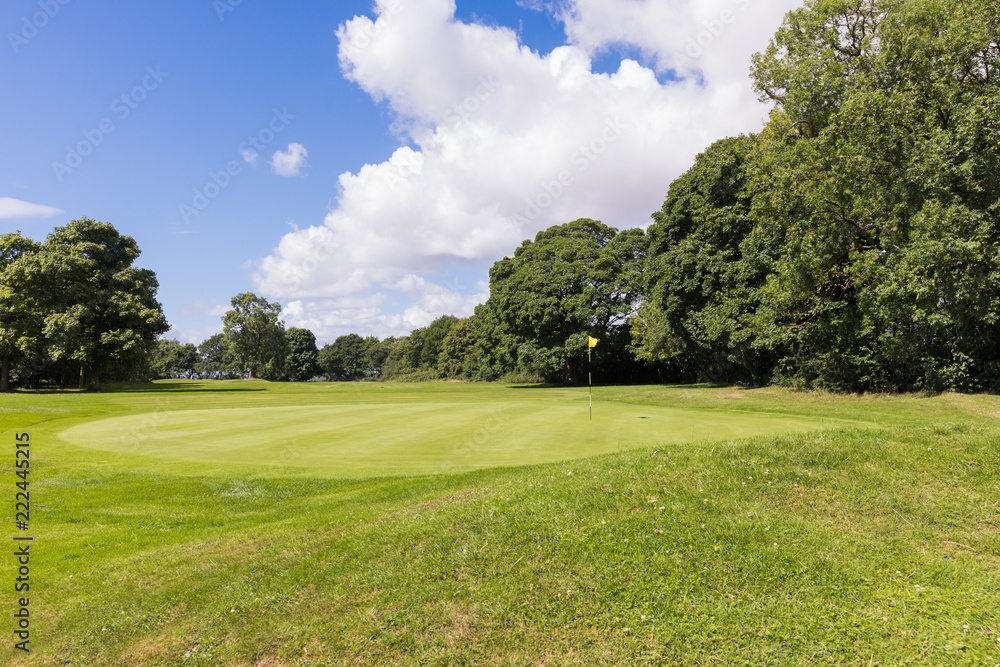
(875, 544)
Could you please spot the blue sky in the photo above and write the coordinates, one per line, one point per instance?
(398, 149)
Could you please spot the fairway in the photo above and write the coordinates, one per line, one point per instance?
(385, 435)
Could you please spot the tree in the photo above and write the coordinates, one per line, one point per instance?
(459, 356)
(99, 309)
(21, 321)
(344, 359)
(256, 335)
(707, 263)
(302, 362)
(215, 356)
(878, 169)
(169, 358)
(574, 280)
(404, 355)
(433, 340)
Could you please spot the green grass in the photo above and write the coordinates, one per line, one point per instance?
(757, 527)
(372, 430)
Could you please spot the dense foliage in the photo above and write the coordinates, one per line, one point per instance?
(573, 281)
(879, 170)
(75, 305)
(854, 244)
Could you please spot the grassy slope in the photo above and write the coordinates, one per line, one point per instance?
(852, 546)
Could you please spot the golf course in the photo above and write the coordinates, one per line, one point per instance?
(365, 430)
(265, 524)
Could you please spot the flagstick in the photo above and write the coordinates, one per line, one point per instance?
(590, 385)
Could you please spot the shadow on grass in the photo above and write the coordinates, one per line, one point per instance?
(178, 387)
(692, 385)
(149, 387)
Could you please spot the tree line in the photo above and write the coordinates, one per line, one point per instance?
(256, 344)
(853, 244)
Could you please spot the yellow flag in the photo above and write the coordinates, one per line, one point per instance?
(591, 341)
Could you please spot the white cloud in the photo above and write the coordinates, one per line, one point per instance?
(15, 209)
(330, 318)
(506, 142)
(195, 336)
(250, 156)
(289, 162)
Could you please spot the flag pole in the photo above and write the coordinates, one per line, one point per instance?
(591, 344)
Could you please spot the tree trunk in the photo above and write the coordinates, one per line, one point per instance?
(5, 374)
(62, 381)
(82, 377)
(95, 378)
(570, 371)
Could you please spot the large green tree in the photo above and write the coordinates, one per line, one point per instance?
(433, 339)
(302, 362)
(376, 353)
(460, 354)
(169, 358)
(574, 280)
(346, 358)
(879, 169)
(256, 335)
(21, 319)
(707, 262)
(216, 356)
(99, 310)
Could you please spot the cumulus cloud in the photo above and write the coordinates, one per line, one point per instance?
(15, 209)
(250, 156)
(289, 162)
(365, 313)
(503, 142)
(711, 38)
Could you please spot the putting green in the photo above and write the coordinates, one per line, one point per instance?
(415, 437)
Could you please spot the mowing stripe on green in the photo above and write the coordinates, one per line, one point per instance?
(413, 438)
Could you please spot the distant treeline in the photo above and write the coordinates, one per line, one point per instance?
(443, 349)
(854, 245)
